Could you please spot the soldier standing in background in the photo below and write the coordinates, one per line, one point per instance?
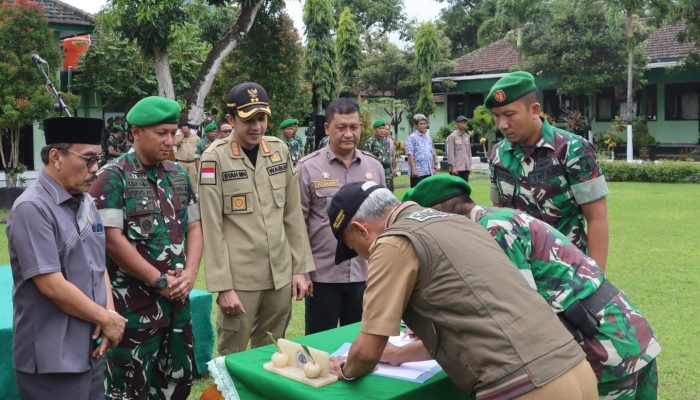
(379, 146)
(154, 244)
(549, 173)
(289, 129)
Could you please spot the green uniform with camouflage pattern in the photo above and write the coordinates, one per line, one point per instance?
(549, 181)
(203, 144)
(115, 144)
(155, 357)
(379, 147)
(622, 353)
(295, 147)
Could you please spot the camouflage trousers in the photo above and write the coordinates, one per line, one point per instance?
(641, 385)
(153, 363)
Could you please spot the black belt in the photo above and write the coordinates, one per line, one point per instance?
(597, 301)
(580, 318)
(185, 161)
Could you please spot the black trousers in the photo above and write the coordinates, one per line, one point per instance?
(462, 174)
(416, 179)
(334, 302)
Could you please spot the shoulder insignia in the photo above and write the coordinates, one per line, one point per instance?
(265, 147)
(235, 149)
(276, 157)
(208, 173)
(307, 157)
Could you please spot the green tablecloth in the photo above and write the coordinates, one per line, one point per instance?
(253, 382)
(201, 326)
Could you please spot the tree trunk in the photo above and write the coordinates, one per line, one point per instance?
(629, 32)
(518, 45)
(195, 96)
(163, 77)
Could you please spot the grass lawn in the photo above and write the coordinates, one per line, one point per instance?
(654, 256)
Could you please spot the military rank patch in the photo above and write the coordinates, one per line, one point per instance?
(235, 149)
(233, 175)
(265, 147)
(207, 173)
(276, 157)
(277, 169)
(238, 203)
(325, 183)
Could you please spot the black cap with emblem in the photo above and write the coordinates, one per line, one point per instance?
(247, 99)
(73, 130)
(343, 207)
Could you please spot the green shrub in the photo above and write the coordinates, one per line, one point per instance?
(665, 172)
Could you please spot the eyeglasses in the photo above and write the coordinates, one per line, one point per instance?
(90, 160)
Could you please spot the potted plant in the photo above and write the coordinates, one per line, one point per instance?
(643, 140)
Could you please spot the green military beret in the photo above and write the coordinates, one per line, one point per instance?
(210, 127)
(154, 110)
(378, 123)
(117, 127)
(407, 195)
(436, 189)
(510, 88)
(289, 122)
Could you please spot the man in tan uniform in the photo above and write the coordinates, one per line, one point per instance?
(186, 144)
(336, 289)
(257, 249)
(493, 335)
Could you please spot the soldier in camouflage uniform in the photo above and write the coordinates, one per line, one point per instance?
(617, 339)
(547, 172)
(379, 146)
(210, 135)
(323, 143)
(154, 246)
(115, 143)
(289, 129)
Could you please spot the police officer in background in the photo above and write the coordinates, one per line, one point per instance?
(257, 250)
(545, 171)
(336, 289)
(64, 318)
(154, 244)
(459, 150)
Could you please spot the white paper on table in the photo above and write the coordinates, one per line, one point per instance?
(410, 371)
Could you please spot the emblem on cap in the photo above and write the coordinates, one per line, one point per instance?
(253, 93)
(499, 96)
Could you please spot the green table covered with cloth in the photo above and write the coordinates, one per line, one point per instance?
(201, 327)
(241, 375)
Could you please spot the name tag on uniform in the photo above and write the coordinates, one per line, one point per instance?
(277, 169)
(324, 183)
(233, 175)
(427, 214)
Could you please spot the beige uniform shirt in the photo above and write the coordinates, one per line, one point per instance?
(254, 232)
(459, 151)
(321, 174)
(186, 148)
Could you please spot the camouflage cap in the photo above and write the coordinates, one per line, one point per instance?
(289, 122)
(436, 189)
(210, 127)
(510, 88)
(378, 123)
(154, 110)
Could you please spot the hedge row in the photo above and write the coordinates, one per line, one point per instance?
(664, 172)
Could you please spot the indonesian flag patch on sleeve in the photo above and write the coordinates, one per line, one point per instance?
(207, 173)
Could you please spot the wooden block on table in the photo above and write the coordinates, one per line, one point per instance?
(297, 359)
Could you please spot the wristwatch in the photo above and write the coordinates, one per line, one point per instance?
(161, 282)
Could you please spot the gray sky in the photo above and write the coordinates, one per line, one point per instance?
(422, 10)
